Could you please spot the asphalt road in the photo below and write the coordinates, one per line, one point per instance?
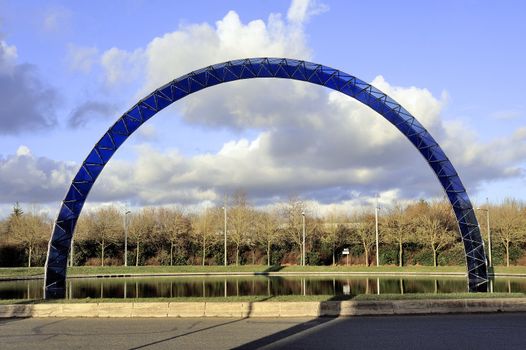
(475, 331)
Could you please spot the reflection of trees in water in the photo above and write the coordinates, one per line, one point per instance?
(451, 286)
(509, 285)
(389, 286)
(247, 286)
(421, 286)
(18, 290)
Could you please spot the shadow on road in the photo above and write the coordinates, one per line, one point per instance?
(185, 334)
(460, 331)
(335, 306)
(284, 334)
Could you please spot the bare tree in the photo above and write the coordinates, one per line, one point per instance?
(104, 226)
(432, 233)
(205, 229)
(175, 226)
(509, 224)
(142, 226)
(83, 228)
(398, 230)
(267, 226)
(363, 232)
(292, 214)
(29, 230)
(436, 228)
(333, 232)
(240, 218)
(3, 232)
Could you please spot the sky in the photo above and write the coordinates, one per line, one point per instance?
(68, 70)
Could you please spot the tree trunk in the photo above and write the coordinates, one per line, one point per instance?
(400, 254)
(434, 256)
(333, 255)
(204, 250)
(268, 253)
(102, 253)
(29, 256)
(507, 254)
(237, 254)
(137, 251)
(366, 255)
(171, 253)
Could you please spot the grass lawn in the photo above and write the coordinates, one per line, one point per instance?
(98, 270)
(281, 298)
(21, 271)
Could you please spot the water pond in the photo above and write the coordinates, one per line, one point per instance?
(197, 286)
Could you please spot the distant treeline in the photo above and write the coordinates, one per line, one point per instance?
(424, 233)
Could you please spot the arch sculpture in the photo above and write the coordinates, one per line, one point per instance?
(249, 68)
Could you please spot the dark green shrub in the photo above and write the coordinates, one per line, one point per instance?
(499, 253)
(452, 256)
(312, 258)
(423, 257)
(388, 255)
(12, 256)
(356, 250)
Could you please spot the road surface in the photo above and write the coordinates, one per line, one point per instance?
(474, 331)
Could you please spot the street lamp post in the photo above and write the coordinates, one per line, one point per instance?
(303, 245)
(71, 254)
(490, 264)
(126, 237)
(376, 209)
(224, 212)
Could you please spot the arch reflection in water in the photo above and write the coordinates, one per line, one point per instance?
(173, 287)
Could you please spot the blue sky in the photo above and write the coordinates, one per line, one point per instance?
(457, 65)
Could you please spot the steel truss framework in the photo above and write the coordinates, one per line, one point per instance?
(146, 108)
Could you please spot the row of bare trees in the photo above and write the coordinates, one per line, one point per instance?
(172, 236)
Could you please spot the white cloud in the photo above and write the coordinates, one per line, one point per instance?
(23, 151)
(477, 161)
(8, 56)
(301, 10)
(27, 178)
(81, 58)
(358, 203)
(147, 133)
(508, 114)
(198, 45)
(56, 19)
(121, 66)
(28, 104)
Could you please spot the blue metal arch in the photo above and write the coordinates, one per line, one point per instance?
(146, 108)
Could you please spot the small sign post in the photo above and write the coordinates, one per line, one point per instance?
(346, 253)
